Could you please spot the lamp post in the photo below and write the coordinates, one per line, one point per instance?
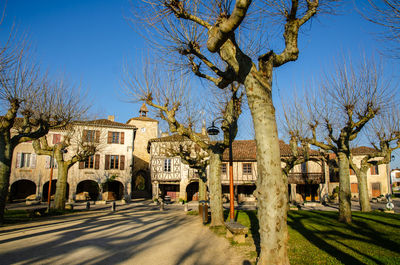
(213, 130)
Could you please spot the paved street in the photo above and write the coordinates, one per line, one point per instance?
(137, 233)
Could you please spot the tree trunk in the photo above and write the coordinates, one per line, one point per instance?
(5, 171)
(217, 217)
(271, 192)
(61, 187)
(344, 189)
(363, 196)
(202, 188)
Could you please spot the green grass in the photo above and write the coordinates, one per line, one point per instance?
(316, 237)
(192, 213)
(21, 216)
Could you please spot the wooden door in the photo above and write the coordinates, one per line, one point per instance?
(376, 189)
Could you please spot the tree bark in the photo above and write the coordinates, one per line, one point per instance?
(217, 217)
(363, 196)
(202, 188)
(271, 192)
(344, 189)
(61, 187)
(5, 171)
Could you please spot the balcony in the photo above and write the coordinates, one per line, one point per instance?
(306, 178)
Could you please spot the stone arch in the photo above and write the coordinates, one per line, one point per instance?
(90, 187)
(45, 191)
(141, 185)
(192, 191)
(21, 189)
(113, 190)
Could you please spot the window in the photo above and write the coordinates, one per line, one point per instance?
(56, 138)
(304, 167)
(25, 160)
(246, 169)
(167, 165)
(223, 168)
(143, 130)
(91, 136)
(397, 175)
(115, 137)
(89, 162)
(114, 162)
(375, 170)
(352, 172)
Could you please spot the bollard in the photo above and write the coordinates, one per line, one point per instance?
(87, 205)
(162, 206)
(113, 207)
(185, 207)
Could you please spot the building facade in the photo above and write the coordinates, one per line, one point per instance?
(118, 170)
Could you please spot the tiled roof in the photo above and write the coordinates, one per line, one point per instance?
(174, 138)
(247, 150)
(142, 119)
(106, 123)
(363, 150)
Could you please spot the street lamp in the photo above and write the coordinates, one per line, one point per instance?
(213, 130)
(63, 150)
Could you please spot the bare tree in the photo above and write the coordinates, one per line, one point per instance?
(346, 101)
(169, 99)
(31, 105)
(385, 138)
(385, 13)
(225, 42)
(192, 155)
(76, 146)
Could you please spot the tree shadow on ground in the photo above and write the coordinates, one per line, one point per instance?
(107, 238)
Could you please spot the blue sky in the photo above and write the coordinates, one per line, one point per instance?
(89, 41)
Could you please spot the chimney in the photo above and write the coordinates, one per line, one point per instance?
(111, 117)
(164, 134)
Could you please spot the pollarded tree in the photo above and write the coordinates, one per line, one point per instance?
(225, 42)
(31, 105)
(385, 138)
(171, 100)
(75, 146)
(193, 156)
(346, 101)
(385, 13)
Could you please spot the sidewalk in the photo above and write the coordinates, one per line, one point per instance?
(137, 233)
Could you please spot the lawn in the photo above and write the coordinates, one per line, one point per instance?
(316, 237)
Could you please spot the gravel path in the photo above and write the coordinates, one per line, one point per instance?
(135, 234)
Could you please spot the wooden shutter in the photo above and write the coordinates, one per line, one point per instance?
(33, 161)
(54, 138)
(107, 161)
(48, 159)
(122, 138)
(81, 164)
(97, 161)
(109, 138)
(85, 135)
(354, 188)
(122, 162)
(97, 136)
(18, 162)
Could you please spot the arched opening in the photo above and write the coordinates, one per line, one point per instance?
(113, 190)
(87, 190)
(140, 185)
(171, 191)
(22, 189)
(53, 190)
(192, 191)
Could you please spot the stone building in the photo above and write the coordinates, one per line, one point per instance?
(308, 182)
(120, 167)
(147, 128)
